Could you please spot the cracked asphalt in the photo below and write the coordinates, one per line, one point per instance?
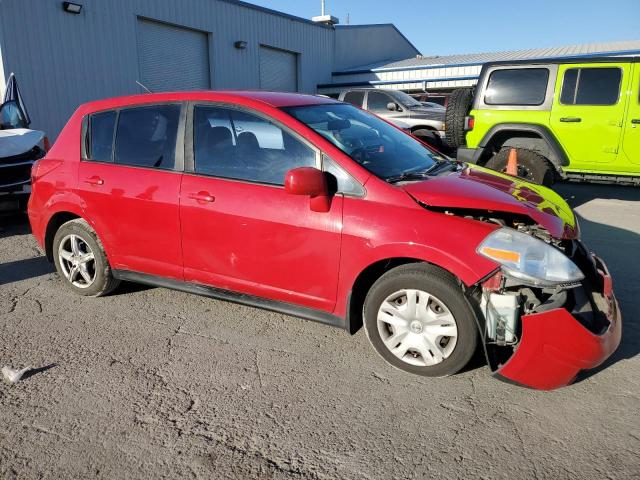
(152, 383)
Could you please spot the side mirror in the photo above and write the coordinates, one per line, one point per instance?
(309, 181)
(393, 106)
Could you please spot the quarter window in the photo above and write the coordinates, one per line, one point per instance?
(146, 136)
(591, 86)
(230, 143)
(101, 128)
(354, 98)
(522, 86)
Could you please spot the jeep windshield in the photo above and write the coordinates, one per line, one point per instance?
(379, 147)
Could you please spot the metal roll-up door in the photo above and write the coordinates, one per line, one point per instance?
(172, 58)
(278, 70)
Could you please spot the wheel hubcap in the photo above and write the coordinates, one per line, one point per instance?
(77, 261)
(417, 327)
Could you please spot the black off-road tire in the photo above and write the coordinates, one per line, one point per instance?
(458, 107)
(444, 286)
(104, 282)
(532, 166)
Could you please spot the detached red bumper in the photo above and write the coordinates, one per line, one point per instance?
(555, 346)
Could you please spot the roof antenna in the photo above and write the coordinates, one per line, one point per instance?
(148, 91)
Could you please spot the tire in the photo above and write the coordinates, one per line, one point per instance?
(69, 259)
(531, 165)
(457, 110)
(429, 136)
(444, 303)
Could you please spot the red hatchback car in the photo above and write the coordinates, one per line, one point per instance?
(312, 207)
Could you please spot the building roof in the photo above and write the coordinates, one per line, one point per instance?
(626, 47)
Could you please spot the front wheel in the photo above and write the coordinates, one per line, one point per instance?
(531, 165)
(418, 320)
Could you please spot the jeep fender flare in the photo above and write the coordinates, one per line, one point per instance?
(528, 136)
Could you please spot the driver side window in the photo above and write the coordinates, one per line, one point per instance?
(11, 116)
(377, 101)
(235, 144)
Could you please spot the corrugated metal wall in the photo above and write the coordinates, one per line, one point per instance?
(358, 45)
(62, 60)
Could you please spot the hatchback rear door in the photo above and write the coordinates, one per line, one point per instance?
(241, 230)
(129, 181)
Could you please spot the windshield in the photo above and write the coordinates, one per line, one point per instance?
(379, 147)
(404, 99)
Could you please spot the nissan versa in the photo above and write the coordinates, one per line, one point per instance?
(315, 208)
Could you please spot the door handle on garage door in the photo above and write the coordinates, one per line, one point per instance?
(635, 121)
(570, 119)
(95, 180)
(202, 197)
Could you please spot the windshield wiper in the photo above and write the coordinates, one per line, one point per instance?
(418, 175)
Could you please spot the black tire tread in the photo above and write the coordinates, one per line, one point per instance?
(544, 173)
(457, 110)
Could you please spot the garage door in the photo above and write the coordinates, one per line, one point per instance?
(278, 70)
(172, 58)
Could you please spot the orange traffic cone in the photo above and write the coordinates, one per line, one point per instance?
(512, 163)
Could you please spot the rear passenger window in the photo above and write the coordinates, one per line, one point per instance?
(522, 86)
(100, 141)
(234, 144)
(591, 86)
(146, 136)
(354, 98)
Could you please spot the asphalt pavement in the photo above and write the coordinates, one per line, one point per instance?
(153, 383)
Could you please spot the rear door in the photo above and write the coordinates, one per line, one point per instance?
(241, 230)
(631, 129)
(588, 112)
(129, 180)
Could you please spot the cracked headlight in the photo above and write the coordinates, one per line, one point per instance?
(529, 259)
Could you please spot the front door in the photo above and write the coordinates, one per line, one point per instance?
(631, 129)
(131, 193)
(588, 112)
(240, 230)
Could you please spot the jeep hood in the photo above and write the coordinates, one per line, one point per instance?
(479, 189)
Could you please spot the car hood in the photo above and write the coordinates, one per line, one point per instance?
(480, 189)
(427, 113)
(17, 141)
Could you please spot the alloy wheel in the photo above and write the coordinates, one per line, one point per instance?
(77, 261)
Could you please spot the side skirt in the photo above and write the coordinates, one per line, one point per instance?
(235, 297)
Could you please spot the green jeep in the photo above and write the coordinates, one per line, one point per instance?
(567, 118)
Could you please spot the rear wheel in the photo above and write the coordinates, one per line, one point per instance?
(418, 320)
(81, 261)
(531, 165)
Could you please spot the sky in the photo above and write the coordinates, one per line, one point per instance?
(471, 26)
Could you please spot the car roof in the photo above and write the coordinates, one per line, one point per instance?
(273, 99)
(558, 60)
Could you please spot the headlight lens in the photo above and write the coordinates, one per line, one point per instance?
(527, 258)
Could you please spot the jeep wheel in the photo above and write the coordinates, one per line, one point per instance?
(418, 320)
(81, 261)
(531, 165)
(457, 109)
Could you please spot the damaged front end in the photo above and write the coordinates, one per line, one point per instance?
(542, 328)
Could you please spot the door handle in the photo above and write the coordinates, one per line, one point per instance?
(202, 197)
(570, 119)
(95, 180)
(635, 121)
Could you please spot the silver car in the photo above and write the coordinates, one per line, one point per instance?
(401, 109)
